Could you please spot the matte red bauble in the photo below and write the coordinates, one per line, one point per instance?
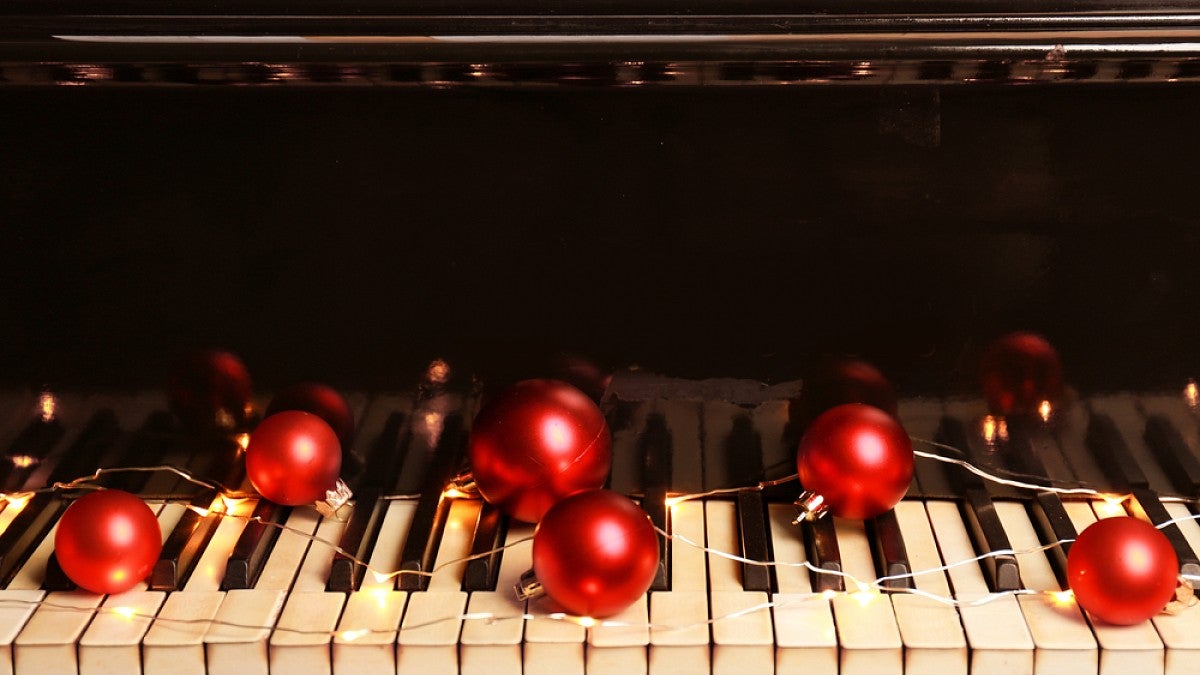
(210, 389)
(856, 461)
(293, 458)
(837, 382)
(535, 443)
(107, 541)
(321, 400)
(1019, 371)
(1122, 570)
(595, 553)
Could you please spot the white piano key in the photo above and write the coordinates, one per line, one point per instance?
(552, 647)
(175, 642)
(620, 649)
(1123, 649)
(33, 572)
(11, 509)
(288, 553)
(1061, 636)
(1180, 632)
(494, 647)
(996, 631)
(112, 643)
(931, 630)
(866, 623)
(47, 643)
(745, 643)
(15, 609)
(428, 639)
(314, 571)
(805, 637)
(682, 650)
(366, 638)
(385, 557)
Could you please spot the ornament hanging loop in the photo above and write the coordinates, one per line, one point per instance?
(529, 587)
(809, 506)
(334, 500)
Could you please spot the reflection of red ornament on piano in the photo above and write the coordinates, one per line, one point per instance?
(321, 400)
(107, 541)
(1122, 570)
(594, 554)
(536, 443)
(1019, 372)
(294, 458)
(210, 389)
(837, 382)
(855, 461)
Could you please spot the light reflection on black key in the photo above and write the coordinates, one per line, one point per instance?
(1113, 455)
(891, 557)
(1145, 504)
(254, 545)
(30, 448)
(744, 467)
(420, 549)
(185, 544)
(1177, 460)
(654, 444)
(820, 538)
(490, 529)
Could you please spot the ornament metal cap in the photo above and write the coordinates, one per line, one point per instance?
(529, 587)
(809, 506)
(1185, 597)
(464, 485)
(335, 499)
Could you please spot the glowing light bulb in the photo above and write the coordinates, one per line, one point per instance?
(1063, 598)
(829, 594)
(672, 501)
(989, 430)
(23, 461)
(438, 372)
(587, 621)
(864, 597)
(454, 493)
(1111, 506)
(47, 406)
(1044, 410)
(352, 635)
(1191, 394)
(126, 613)
(381, 597)
(243, 442)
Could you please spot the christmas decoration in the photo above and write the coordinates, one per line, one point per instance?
(1019, 371)
(107, 541)
(321, 400)
(535, 443)
(1122, 570)
(294, 458)
(594, 554)
(210, 389)
(855, 461)
(837, 382)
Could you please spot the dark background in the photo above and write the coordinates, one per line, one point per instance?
(351, 235)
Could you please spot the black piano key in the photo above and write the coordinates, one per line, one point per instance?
(888, 546)
(1177, 460)
(26, 531)
(984, 524)
(1145, 504)
(744, 466)
(386, 456)
(1054, 525)
(424, 536)
(490, 530)
(254, 545)
(27, 450)
(185, 544)
(147, 447)
(655, 445)
(1112, 454)
(626, 422)
(820, 538)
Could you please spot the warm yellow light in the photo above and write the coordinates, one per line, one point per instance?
(672, 501)
(17, 501)
(379, 577)
(865, 597)
(229, 504)
(381, 597)
(243, 441)
(829, 594)
(1044, 410)
(352, 635)
(200, 510)
(23, 461)
(1110, 507)
(47, 406)
(454, 493)
(587, 621)
(1191, 394)
(1002, 430)
(1063, 598)
(989, 430)
(438, 372)
(126, 613)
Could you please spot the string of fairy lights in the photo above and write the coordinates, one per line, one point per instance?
(864, 591)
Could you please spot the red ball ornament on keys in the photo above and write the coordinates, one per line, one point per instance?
(536, 443)
(1122, 570)
(1019, 371)
(837, 382)
(107, 541)
(855, 460)
(293, 458)
(210, 389)
(321, 400)
(595, 553)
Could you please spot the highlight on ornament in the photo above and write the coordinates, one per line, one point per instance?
(294, 458)
(536, 443)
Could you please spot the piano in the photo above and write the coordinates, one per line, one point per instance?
(721, 193)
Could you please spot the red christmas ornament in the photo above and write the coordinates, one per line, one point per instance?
(107, 541)
(1122, 570)
(210, 389)
(535, 443)
(1019, 371)
(321, 400)
(856, 461)
(594, 554)
(294, 458)
(837, 382)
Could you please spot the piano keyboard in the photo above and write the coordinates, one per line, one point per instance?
(233, 597)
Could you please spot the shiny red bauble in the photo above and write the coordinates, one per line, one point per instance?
(837, 382)
(293, 457)
(595, 553)
(1122, 570)
(107, 541)
(1018, 372)
(210, 389)
(321, 400)
(535, 443)
(857, 458)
